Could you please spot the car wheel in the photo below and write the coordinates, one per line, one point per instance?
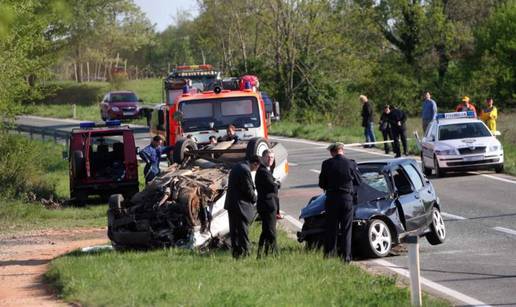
(438, 171)
(437, 233)
(426, 170)
(256, 146)
(499, 168)
(182, 146)
(379, 239)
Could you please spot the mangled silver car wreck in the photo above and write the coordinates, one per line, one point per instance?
(184, 206)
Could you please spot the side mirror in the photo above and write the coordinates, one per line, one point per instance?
(178, 116)
(497, 133)
(137, 149)
(65, 154)
(276, 110)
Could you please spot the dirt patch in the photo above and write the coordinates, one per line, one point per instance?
(24, 259)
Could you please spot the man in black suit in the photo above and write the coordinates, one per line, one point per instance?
(397, 119)
(336, 179)
(267, 206)
(240, 198)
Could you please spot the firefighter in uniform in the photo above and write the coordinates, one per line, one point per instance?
(336, 179)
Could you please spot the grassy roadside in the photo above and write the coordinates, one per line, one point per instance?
(183, 277)
(86, 96)
(36, 167)
(354, 133)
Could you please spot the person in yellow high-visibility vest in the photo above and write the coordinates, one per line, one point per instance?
(489, 115)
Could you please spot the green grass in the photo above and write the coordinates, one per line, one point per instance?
(181, 277)
(86, 96)
(17, 216)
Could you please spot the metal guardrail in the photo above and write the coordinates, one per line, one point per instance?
(42, 131)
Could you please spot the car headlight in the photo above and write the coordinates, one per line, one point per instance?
(115, 109)
(495, 147)
(445, 152)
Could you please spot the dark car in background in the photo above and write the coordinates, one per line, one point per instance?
(120, 105)
(394, 200)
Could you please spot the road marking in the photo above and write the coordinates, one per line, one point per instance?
(453, 216)
(432, 285)
(315, 171)
(505, 230)
(293, 221)
(293, 164)
(494, 177)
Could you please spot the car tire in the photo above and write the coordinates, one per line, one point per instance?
(182, 146)
(426, 170)
(256, 146)
(499, 169)
(438, 171)
(437, 234)
(378, 239)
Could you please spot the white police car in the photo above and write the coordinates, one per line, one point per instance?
(459, 142)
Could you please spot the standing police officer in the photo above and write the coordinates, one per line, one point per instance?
(336, 178)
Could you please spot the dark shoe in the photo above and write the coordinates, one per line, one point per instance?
(397, 156)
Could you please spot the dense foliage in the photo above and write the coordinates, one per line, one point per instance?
(314, 56)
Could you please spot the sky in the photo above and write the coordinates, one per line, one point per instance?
(162, 12)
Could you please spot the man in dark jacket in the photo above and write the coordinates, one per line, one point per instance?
(151, 155)
(367, 121)
(240, 198)
(267, 188)
(385, 128)
(397, 119)
(336, 179)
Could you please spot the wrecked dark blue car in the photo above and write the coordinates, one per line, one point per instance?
(394, 200)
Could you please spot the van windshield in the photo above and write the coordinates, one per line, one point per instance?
(206, 114)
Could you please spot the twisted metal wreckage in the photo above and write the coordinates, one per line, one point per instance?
(183, 207)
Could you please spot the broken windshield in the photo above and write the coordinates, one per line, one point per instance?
(205, 114)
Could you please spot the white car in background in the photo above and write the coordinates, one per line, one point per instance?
(458, 141)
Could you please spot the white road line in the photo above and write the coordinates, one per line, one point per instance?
(453, 216)
(315, 171)
(495, 177)
(505, 230)
(293, 221)
(432, 285)
(293, 164)
(428, 283)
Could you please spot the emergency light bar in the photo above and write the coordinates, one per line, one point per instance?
(113, 123)
(454, 115)
(86, 125)
(195, 67)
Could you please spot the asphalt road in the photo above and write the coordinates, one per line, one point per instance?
(477, 263)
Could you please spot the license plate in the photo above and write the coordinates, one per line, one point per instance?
(473, 158)
(128, 113)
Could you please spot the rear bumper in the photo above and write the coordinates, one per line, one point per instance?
(101, 188)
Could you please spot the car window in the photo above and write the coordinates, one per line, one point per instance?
(462, 131)
(401, 182)
(414, 176)
(375, 180)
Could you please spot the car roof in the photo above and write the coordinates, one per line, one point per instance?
(121, 92)
(389, 162)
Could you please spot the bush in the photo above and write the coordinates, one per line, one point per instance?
(24, 164)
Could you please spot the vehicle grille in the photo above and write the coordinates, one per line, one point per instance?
(476, 150)
(466, 163)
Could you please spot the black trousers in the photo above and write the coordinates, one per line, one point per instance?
(387, 136)
(339, 218)
(267, 242)
(397, 133)
(238, 232)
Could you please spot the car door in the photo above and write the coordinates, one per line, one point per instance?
(423, 190)
(427, 146)
(408, 199)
